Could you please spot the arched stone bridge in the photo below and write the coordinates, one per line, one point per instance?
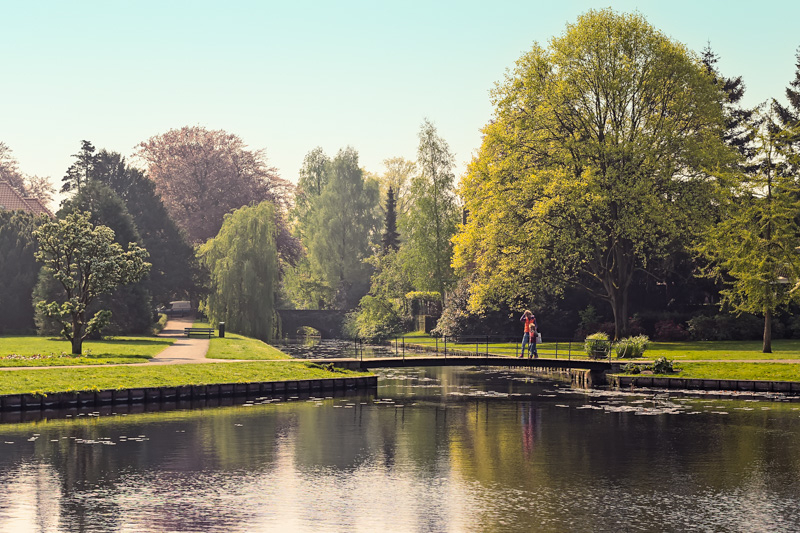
(327, 322)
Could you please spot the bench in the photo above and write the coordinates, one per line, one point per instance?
(208, 332)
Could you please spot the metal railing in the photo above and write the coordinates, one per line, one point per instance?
(481, 346)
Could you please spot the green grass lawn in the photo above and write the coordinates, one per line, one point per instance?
(51, 351)
(235, 346)
(746, 371)
(782, 349)
(125, 377)
(724, 350)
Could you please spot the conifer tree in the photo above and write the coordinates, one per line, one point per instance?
(390, 240)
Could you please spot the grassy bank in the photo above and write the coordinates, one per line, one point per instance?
(124, 377)
(18, 351)
(782, 349)
(746, 371)
(235, 346)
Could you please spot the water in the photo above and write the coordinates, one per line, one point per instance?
(450, 449)
(316, 348)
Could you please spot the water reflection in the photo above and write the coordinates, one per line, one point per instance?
(433, 450)
(317, 348)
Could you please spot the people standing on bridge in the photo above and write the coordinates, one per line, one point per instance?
(529, 335)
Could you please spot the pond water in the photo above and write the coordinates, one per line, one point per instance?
(316, 348)
(435, 449)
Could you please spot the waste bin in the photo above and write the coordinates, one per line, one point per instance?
(221, 330)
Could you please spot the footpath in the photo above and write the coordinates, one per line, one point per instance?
(185, 350)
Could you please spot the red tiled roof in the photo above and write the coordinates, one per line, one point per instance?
(11, 200)
(38, 207)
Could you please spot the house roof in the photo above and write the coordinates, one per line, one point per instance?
(11, 200)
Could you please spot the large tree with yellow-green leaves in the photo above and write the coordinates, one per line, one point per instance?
(600, 158)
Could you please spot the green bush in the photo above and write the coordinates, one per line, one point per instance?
(663, 366)
(597, 345)
(632, 346)
(726, 327)
(632, 368)
(376, 319)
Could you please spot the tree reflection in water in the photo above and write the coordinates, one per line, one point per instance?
(450, 449)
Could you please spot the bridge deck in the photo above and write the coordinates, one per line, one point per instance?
(413, 361)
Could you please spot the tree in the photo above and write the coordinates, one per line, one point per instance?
(203, 174)
(18, 270)
(80, 172)
(789, 115)
(398, 176)
(432, 216)
(754, 247)
(390, 239)
(341, 228)
(243, 263)
(174, 273)
(603, 155)
(87, 262)
(130, 304)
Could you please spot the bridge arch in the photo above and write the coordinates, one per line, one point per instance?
(327, 322)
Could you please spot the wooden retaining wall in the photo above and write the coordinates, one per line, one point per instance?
(631, 382)
(16, 402)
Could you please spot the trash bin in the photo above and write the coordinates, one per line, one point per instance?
(221, 330)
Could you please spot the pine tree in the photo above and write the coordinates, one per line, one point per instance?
(789, 116)
(739, 133)
(390, 239)
(80, 172)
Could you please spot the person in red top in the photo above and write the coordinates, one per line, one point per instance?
(529, 337)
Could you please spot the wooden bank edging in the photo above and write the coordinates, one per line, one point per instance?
(749, 385)
(89, 398)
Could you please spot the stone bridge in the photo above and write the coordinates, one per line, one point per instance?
(327, 322)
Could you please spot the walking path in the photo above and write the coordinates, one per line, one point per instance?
(185, 350)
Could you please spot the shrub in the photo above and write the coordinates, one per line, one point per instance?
(597, 345)
(376, 319)
(663, 366)
(632, 368)
(632, 346)
(668, 330)
(726, 327)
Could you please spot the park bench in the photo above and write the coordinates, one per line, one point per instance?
(208, 332)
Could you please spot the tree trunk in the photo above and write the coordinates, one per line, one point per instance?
(77, 335)
(767, 347)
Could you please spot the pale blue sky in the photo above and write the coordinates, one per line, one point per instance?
(289, 76)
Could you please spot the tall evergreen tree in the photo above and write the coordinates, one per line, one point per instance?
(739, 133)
(80, 171)
(390, 240)
(174, 272)
(789, 115)
(18, 271)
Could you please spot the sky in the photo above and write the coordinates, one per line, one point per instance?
(289, 76)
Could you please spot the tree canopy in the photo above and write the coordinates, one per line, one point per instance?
(86, 262)
(203, 174)
(243, 264)
(599, 158)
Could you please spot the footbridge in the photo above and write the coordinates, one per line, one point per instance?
(584, 372)
(327, 322)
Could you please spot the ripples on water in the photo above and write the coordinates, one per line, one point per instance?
(433, 450)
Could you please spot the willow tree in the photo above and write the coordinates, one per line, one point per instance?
(243, 264)
(597, 161)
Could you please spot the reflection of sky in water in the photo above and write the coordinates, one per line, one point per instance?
(433, 450)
